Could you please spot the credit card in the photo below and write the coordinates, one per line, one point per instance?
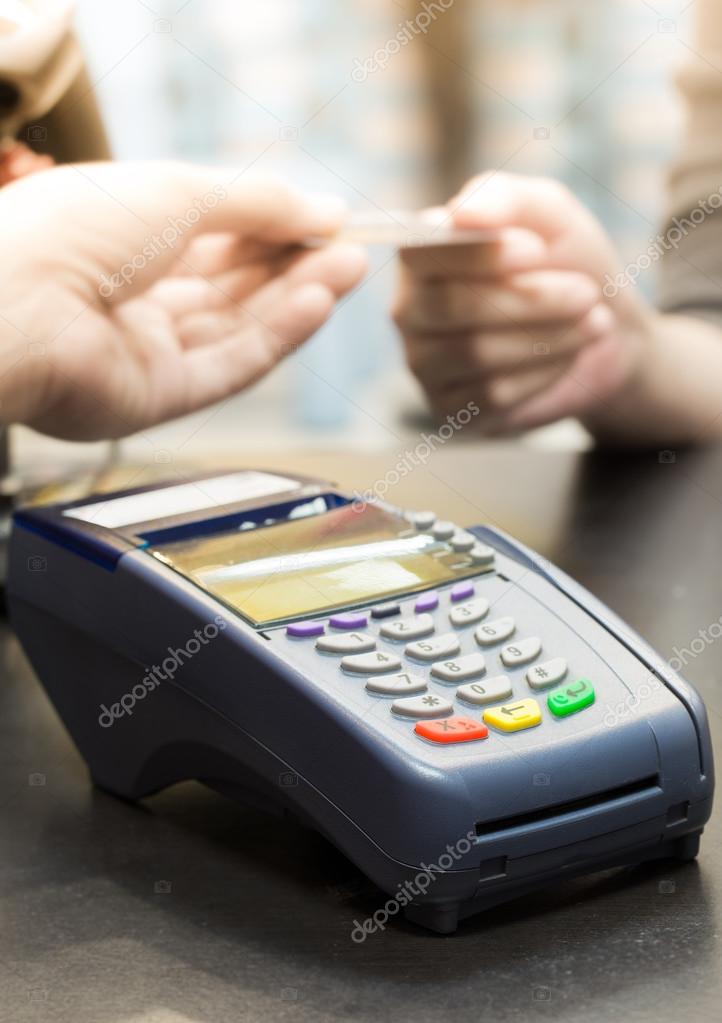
(405, 229)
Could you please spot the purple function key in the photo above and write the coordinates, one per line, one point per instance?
(462, 591)
(348, 621)
(304, 630)
(427, 602)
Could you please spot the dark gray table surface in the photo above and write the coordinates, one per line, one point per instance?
(191, 908)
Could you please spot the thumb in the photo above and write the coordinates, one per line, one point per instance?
(157, 208)
(262, 208)
(497, 200)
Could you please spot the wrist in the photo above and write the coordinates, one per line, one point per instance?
(673, 396)
(638, 330)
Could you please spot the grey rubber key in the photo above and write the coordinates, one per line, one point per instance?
(408, 628)
(435, 649)
(443, 530)
(377, 663)
(521, 652)
(480, 554)
(421, 520)
(469, 613)
(346, 643)
(488, 691)
(541, 676)
(462, 541)
(429, 706)
(494, 632)
(401, 684)
(459, 669)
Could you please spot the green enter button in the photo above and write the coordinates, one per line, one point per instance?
(569, 699)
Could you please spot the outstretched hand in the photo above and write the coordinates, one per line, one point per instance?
(134, 293)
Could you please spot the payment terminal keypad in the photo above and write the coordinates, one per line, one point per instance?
(450, 662)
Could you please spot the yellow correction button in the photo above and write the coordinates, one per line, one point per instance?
(512, 717)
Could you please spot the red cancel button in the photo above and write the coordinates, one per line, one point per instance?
(452, 730)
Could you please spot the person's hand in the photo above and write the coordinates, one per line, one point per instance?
(521, 325)
(134, 293)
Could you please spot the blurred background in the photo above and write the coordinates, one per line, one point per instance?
(580, 91)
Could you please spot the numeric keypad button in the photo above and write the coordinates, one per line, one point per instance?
(401, 684)
(521, 652)
(495, 632)
(469, 613)
(376, 663)
(429, 706)
(408, 628)
(488, 691)
(436, 649)
(541, 676)
(346, 643)
(459, 669)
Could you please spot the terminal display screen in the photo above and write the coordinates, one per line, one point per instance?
(314, 564)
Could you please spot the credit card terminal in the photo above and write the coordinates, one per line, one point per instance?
(440, 702)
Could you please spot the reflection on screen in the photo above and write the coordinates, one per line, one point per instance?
(341, 558)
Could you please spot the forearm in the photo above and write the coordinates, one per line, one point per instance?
(675, 397)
